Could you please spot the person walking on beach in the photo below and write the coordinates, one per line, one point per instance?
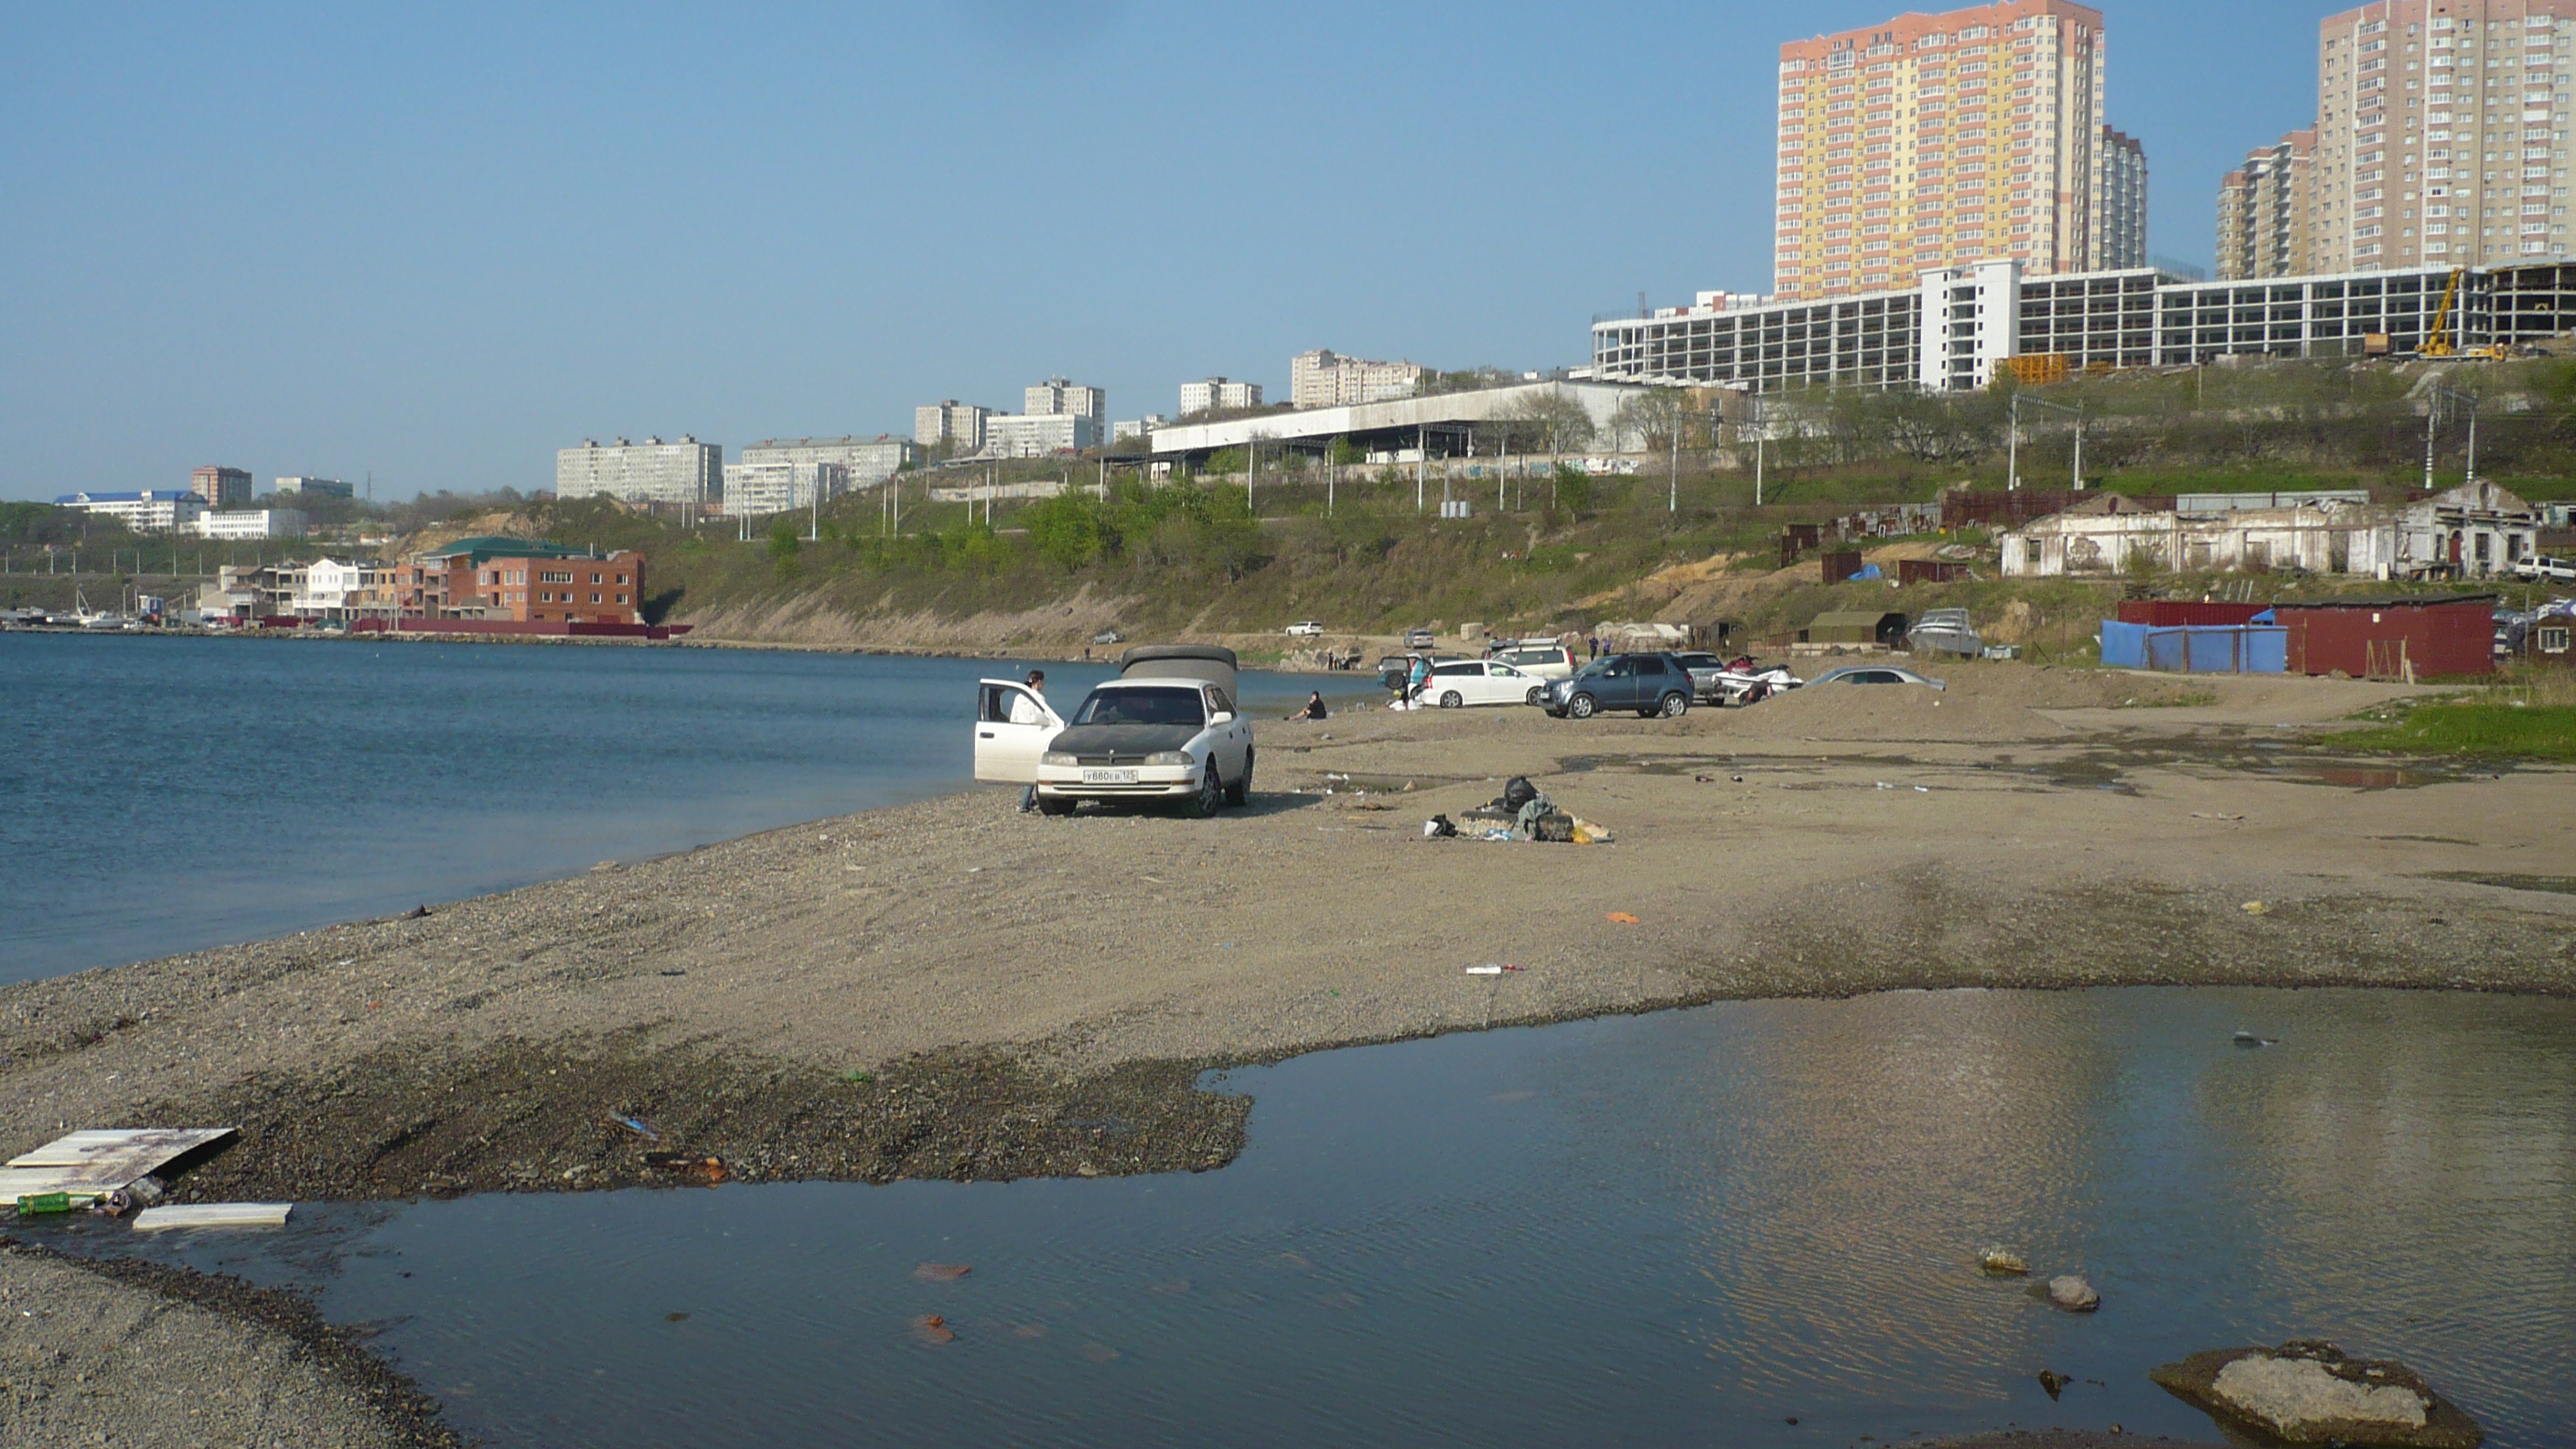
(1028, 711)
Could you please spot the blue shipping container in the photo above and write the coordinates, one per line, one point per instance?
(2217, 649)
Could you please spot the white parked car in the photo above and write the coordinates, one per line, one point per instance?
(1455, 684)
(1541, 661)
(1167, 730)
(1304, 629)
(2542, 566)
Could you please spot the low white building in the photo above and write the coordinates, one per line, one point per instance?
(1143, 427)
(2474, 531)
(154, 511)
(316, 487)
(1039, 435)
(252, 523)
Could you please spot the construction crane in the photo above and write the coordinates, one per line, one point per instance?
(2437, 343)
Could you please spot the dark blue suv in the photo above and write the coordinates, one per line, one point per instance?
(1650, 684)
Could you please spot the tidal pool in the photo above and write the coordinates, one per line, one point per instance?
(1686, 1228)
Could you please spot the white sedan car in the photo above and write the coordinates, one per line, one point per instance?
(1462, 682)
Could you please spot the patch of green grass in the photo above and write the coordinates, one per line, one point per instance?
(2486, 729)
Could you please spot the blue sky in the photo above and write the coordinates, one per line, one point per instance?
(438, 242)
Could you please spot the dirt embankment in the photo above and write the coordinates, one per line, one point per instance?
(954, 989)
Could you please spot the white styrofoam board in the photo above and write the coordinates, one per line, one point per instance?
(213, 1215)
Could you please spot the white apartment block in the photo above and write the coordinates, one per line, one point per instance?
(316, 487)
(950, 421)
(1057, 396)
(861, 462)
(2442, 134)
(2119, 225)
(153, 511)
(1937, 141)
(252, 523)
(756, 488)
(1218, 392)
(1143, 427)
(652, 471)
(1325, 379)
(1039, 435)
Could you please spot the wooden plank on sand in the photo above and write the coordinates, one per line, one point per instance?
(117, 1156)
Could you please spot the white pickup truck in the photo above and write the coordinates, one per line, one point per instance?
(1168, 729)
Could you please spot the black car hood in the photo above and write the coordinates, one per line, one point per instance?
(1123, 740)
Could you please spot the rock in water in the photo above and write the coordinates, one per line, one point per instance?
(2053, 1381)
(2073, 1294)
(2003, 1262)
(2309, 1393)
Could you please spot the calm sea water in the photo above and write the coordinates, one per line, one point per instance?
(166, 794)
(1679, 1229)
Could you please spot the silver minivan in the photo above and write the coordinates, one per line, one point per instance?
(1547, 661)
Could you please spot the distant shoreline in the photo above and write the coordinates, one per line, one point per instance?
(1102, 654)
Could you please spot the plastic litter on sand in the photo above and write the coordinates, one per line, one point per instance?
(1622, 918)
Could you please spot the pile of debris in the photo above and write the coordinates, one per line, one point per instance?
(1521, 812)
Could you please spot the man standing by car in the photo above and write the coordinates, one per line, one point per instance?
(1027, 711)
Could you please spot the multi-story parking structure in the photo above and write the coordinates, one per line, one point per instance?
(1984, 316)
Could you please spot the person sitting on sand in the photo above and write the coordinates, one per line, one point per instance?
(1313, 708)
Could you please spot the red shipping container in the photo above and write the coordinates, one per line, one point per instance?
(2390, 638)
(2187, 614)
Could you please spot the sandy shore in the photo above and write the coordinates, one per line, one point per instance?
(135, 1354)
(955, 989)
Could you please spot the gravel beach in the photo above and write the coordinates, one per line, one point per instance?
(954, 989)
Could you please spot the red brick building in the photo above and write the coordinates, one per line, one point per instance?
(517, 579)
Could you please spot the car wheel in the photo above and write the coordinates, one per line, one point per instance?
(1452, 699)
(1537, 697)
(1676, 705)
(1055, 805)
(1239, 792)
(1211, 795)
(1582, 706)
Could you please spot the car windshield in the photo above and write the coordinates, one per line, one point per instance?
(1148, 705)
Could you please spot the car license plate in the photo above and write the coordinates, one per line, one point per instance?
(1109, 777)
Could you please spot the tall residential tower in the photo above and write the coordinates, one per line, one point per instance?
(2264, 209)
(2442, 134)
(1936, 141)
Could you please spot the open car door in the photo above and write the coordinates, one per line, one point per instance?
(1013, 727)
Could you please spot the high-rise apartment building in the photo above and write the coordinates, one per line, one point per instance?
(1937, 141)
(221, 487)
(2441, 134)
(1056, 397)
(952, 422)
(652, 471)
(1217, 392)
(1325, 379)
(2263, 211)
(2118, 232)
